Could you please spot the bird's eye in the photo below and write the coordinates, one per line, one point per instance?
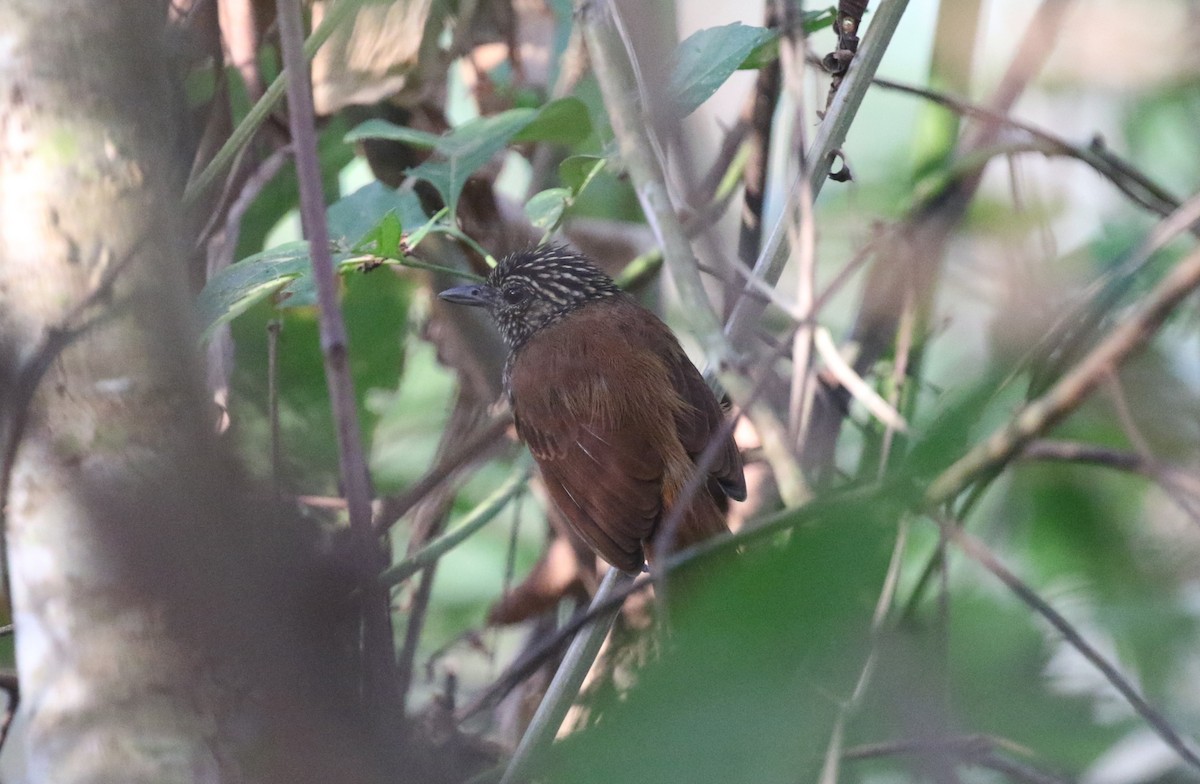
(515, 296)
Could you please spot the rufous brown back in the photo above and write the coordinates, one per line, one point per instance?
(614, 412)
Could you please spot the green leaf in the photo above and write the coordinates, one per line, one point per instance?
(818, 19)
(355, 217)
(762, 56)
(763, 647)
(382, 129)
(390, 232)
(578, 170)
(768, 52)
(564, 121)
(285, 270)
(462, 151)
(239, 286)
(708, 57)
(545, 209)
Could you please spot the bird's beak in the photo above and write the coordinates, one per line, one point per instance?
(475, 294)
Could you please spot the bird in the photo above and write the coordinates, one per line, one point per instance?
(611, 407)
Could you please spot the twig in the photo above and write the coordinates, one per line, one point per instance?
(477, 518)
(973, 749)
(239, 203)
(1077, 452)
(378, 647)
(569, 677)
(1180, 485)
(273, 328)
(395, 507)
(905, 354)
(854, 383)
(1127, 178)
(759, 113)
(803, 386)
(1070, 391)
(978, 552)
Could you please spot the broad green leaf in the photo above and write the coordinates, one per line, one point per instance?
(707, 58)
(545, 209)
(578, 170)
(284, 269)
(763, 647)
(564, 121)
(461, 152)
(241, 285)
(353, 217)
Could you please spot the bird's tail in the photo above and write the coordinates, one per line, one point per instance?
(703, 519)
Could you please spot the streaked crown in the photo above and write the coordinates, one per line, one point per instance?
(535, 288)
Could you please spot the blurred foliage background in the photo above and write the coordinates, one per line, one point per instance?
(856, 642)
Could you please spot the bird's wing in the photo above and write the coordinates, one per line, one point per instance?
(601, 470)
(700, 421)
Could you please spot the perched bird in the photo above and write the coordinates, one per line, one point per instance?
(612, 409)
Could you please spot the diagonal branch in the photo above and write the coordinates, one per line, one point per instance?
(1073, 388)
(979, 553)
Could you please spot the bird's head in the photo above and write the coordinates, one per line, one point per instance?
(532, 289)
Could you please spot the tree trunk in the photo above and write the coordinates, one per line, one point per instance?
(148, 598)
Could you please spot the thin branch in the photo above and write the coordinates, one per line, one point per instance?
(980, 750)
(803, 387)
(378, 647)
(240, 202)
(1179, 484)
(978, 552)
(274, 326)
(1128, 179)
(476, 519)
(759, 113)
(854, 383)
(567, 680)
(1072, 389)
(395, 507)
